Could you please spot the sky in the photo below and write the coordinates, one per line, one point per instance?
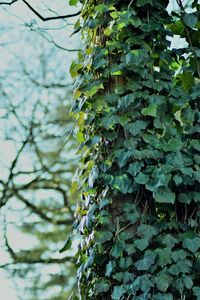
(13, 19)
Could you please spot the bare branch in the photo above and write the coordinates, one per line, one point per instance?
(39, 212)
(8, 3)
(44, 19)
(26, 260)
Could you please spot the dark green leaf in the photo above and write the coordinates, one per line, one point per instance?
(145, 263)
(117, 249)
(101, 286)
(141, 178)
(122, 183)
(103, 236)
(141, 244)
(118, 292)
(192, 244)
(67, 245)
(151, 110)
(190, 20)
(169, 241)
(163, 282)
(164, 195)
(109, 268)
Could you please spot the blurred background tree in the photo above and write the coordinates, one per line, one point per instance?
(37, 161)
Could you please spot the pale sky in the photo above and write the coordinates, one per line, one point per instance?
(16, 15)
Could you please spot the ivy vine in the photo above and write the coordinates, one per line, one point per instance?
(137, 111)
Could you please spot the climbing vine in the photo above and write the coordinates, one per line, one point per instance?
(137, 111)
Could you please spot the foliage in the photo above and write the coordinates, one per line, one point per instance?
(137, 111)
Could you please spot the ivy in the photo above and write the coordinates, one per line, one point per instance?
(138, 124)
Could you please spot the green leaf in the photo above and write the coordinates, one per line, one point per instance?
(178, 255)
(136, 127)
(191, 244)
(169, 241)
(196, 291)
(103, 236)
(122, 183)
(80, 137)
(187, 80)
(92, 90)
(73, 2)
(141, 178)
(117, 249)
(190, 20)
(109, 268)
(151, 110)
(125, 262)
(101, 286)
(182, 266)
(173, 145)
(187, 280)
(163, 282)
(135, 168)
(164, 256)
(143, 2)
(195, 144)
(164, 195)
(178, 284)
(147, 231)
(145, 263)
(67, 245)
(141, 244)
(118, 292)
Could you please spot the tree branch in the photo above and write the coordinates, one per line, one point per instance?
(37, 211)
(44, 19)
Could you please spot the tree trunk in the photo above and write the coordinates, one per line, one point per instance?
(137, 111)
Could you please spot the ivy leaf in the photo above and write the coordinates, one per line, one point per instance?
(178, 255)
(151, 110)
(196, 291)
(187, 280)
(101, 286)
(141, 244)
(92, 90)
(145, 263)
(147, 231)
(141, 178)
(143, 2)
(136, 127)
(117, 249)
(164, 195)
(122, 183)
(73, 2)
(187, 80)
(192, 244)
(109, 268)
(173, 145)
(195, 144)
(183, 266)
(164, 256)
(163, 282)
(169, 241)
(118, 292)
(135, 168)
(103, 236)
(67, 245)
(125, 262)
(190, 20)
